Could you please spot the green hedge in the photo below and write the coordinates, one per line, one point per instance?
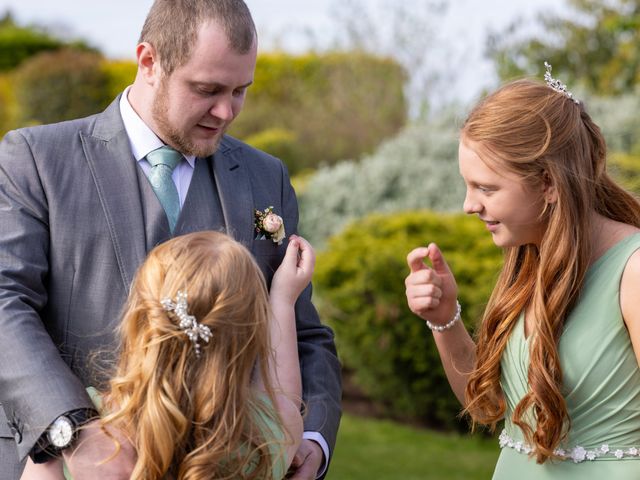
(120, 74)
(18, 43)
(8, 106)
(361, 294)
(335, 105)
(280, 143)
(61, 85)
(626, 169)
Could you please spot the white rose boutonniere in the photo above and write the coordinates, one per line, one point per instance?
(269, 225)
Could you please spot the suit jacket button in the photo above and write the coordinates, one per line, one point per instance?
(17, 434)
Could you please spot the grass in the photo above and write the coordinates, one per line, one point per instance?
(369, 449)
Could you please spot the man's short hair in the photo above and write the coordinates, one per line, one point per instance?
(172, 27)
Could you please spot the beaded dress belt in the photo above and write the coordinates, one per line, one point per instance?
(577, 454)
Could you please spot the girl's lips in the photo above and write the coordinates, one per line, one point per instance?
(491, 226)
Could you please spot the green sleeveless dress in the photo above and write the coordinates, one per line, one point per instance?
(601, 386)
(270, 429)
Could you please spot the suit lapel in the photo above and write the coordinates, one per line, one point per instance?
(113, 168)
(236, 198)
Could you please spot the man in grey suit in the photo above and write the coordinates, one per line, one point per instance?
(78, 215)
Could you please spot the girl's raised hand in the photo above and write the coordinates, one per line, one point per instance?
(295, 272)
(431, 291)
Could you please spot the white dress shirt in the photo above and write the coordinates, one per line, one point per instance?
(143, 140)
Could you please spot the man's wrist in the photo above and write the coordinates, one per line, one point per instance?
(324, 446)
(45, 448)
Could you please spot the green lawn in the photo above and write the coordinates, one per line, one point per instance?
(370, 449)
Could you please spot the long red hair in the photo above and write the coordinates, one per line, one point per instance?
(542, 136)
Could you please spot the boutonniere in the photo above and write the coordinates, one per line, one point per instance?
(269, 225)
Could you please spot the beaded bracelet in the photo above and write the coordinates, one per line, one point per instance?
(446, 326)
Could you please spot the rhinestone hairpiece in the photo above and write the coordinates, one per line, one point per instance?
(556, 84)
(194, 330)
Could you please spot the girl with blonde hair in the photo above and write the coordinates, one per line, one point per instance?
(557, 352)
(207, 384)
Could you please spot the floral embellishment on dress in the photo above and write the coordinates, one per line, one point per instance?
(268, 225)
(576, 454)
(503, 439)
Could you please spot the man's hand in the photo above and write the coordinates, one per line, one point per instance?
(306, 462)
(87, 459)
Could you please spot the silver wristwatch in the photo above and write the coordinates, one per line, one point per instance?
(64, 429)
(61, 432)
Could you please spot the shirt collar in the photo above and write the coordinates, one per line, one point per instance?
(141, 137)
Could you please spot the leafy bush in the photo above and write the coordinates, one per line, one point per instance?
(18, 43)
(361, 294)
(120, 74)
(618, 118)
(8, 107)
(336, 105)
(417, 169)
(626, 169)
(61, 85)
(280, 143)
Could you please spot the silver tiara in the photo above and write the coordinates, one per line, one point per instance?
(194, 330)
(557, 85)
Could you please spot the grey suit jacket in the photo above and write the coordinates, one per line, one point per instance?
(72, 235)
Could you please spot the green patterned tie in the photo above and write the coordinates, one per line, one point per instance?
(164, 160)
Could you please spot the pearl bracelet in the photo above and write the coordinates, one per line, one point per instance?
(446, 326)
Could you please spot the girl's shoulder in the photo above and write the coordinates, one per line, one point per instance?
(631, 275)
(610, 234)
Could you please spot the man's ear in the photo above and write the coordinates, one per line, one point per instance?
(549, 189)
(148, 64)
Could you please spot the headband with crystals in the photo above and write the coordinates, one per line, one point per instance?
(194, 330)
(556, 84)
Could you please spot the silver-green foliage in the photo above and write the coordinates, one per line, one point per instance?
(618, 119)
(418, 169)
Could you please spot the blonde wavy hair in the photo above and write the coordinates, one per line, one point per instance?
(544, 137)
(188, 417)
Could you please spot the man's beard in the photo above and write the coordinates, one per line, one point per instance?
(175, 136)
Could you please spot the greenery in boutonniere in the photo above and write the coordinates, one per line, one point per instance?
(268, 225)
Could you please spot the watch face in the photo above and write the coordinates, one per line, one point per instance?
(61, 432)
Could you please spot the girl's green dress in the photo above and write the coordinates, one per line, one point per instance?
(601, 381)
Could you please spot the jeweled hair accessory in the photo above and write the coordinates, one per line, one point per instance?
(557, 85)
(194, 330)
